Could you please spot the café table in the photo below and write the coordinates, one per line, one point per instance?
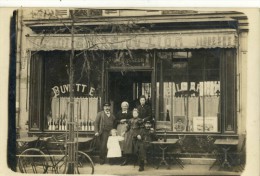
(79, 140)
(225, 145)
(163, 146)
(84, 139)
(26, 139)
(24, 143)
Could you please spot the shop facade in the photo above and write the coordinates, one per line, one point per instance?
(190, 65)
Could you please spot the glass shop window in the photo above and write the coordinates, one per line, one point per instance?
(87, 90)
(188, 91)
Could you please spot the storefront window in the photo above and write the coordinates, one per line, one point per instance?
(56, 90)
(195, 89)
(189, 91)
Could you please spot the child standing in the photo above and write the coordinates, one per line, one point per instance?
(114, 150)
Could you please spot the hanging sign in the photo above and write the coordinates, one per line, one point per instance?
(153, 40)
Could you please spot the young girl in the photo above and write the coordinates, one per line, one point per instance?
(114, 150)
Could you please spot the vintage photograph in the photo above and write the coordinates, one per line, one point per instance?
(129, 91)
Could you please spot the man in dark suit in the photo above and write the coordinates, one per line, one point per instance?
(104, 123)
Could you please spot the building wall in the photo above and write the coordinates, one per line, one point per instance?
(23, 79)
(242, 87)
(23, 72)
(242, 70)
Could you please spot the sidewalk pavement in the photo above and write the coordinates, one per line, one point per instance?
(107, 169)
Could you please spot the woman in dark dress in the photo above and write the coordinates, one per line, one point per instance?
(144, 109)
(133, 130)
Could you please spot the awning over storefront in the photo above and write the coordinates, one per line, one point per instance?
(192, 39)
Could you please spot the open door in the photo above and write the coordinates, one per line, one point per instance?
(128, 86)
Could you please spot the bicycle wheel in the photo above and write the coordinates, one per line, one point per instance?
(60, 164)
(85, 164)
(32, 160)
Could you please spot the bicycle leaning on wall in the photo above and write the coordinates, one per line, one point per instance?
(50, 155)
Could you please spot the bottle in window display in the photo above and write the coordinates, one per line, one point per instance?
(164, 136)
(82, 125)
(87, 125)
(55, 125)
(52, 125)
(65, 124)
(49, 121)
(60, 124)
(92, 126)
(168, 115)
(49, 125)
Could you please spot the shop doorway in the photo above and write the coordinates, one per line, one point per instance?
(128, 86)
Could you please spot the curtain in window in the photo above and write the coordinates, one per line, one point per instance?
(55, 108)
(93, 108)
(84, 108)
(179, 106)
(193, 107)
(63, 106)
(211, 106)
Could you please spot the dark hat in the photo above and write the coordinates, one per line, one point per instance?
(106, 104)
(148, 122)
(135, 109)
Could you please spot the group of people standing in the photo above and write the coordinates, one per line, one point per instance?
(127, 134)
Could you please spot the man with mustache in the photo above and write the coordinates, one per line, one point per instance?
(104, 123)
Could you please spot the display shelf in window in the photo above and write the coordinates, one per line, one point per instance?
(85, 111)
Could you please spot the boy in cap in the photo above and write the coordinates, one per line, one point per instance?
(143, 145)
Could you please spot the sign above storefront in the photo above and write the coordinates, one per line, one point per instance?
(63, 89)
(157, 40)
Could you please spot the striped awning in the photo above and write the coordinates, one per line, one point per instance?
(192, 39)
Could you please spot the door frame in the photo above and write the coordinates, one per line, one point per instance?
(132, 69)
